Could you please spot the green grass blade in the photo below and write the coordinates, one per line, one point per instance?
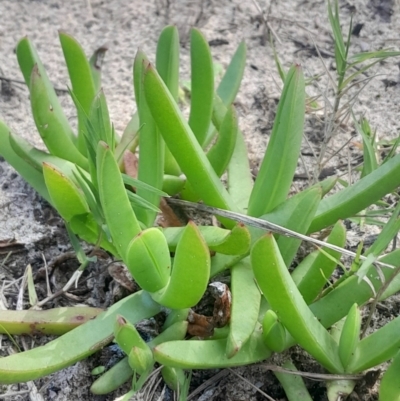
(370, 162)
(380, 54)
(340, 48)
(129, 139)
(100, 120)
(142, 185)
(202, 89)
(336, 304)
(280, 160)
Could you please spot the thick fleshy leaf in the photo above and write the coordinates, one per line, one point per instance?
(51, 122)
(151, 149)
(190, 272)
(277, 169)
(148, 259)
(296, 213)
(377, 348)
(357, 197)
(221, 152)
(229, 85)
(202, 85)
(30, 174)
(313, 272)
(234, 242)
(80, 75)
(183, 144)
(66, 197)
(69, 348)
(246, 299)
(389, 389)
(210, 354)
(286, 301)
(56, 321)
(118, 213)
(167, 64)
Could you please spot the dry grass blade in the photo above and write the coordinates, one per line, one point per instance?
(312, 376)
(208, 383)
(268, 226)
(252, 385)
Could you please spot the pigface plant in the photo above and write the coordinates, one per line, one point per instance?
(267, 307)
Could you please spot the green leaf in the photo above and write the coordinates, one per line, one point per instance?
(151, 149)
(246, 299)
(66, 197)
(234, 242)
(277, 169)
(190, 272)
(80, 75)
(370, 163)
(202, 89)
(358, 196)
(32, 176)
(310, 278)
(336, 304)
(118, 213)
(293, 384)
(42, 360)
(210, 354)
(56, 321)
(167, 59)
(148, 259)
(377, 348)
(296, 214)
(274, 333)
(350, 335)
(230, 83)
(86, 227)
(286, 301)
(167, 64)
(51, 122)
(183, 144)
(389, 389)
(221, 152)
(96, 62)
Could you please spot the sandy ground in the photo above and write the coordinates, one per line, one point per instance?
(124, 26)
